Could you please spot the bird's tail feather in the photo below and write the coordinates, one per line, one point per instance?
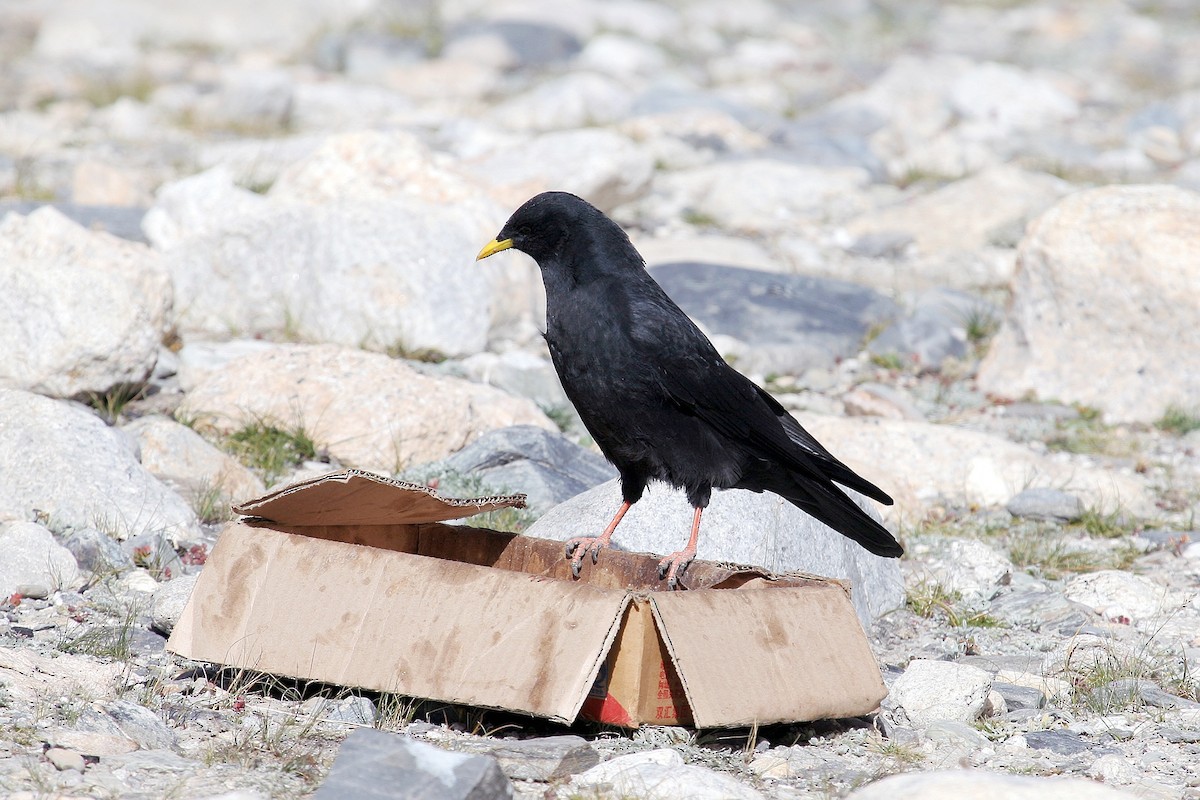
(831, 505)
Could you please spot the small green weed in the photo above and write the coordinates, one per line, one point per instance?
(1179, 420)
(271, 448)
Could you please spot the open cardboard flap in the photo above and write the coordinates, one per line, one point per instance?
(352, 579)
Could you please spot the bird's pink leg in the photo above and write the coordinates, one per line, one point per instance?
(581, 545)
(673, 565)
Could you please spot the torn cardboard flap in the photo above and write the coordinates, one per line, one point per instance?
(350, 579)
(354, 497)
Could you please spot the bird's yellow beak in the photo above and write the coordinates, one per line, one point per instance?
(493, 247)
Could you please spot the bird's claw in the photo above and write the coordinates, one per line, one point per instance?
(673, 566)
(578, 549)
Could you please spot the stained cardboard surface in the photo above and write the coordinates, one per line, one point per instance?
(353, 497)
(389, 621)
(351, 579)
(768, 655)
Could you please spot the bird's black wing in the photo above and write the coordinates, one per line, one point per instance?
(833, 468)
(692, 374)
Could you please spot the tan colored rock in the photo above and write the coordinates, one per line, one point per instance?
(175, 453)
(919, 462)
(366, 409)
(1105, 305)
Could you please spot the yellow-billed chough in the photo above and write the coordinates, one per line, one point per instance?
(654, 393)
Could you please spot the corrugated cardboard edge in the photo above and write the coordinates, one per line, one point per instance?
(356, 497)
(258, 582)
(755, 654)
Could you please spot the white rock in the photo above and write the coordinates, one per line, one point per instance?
(1109, 591)
(1104, 305)
(983, 785)
(198, 204)
(661, 775)
(962, 215)
(178, 455)
(765, 196)
(603, 167)
(139, 581)
(31, 558)
(366, 409)
(81, 311)
(1114, 768)
(61, 461)
(575, 100)
(970, 567)
(740, 527)
(368, 242)
(1006, 99)
(944, 461)
(937, 690)
(170, 598)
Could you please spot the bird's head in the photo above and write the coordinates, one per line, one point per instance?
(558, 229)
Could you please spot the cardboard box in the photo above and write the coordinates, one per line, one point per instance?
(353, 579)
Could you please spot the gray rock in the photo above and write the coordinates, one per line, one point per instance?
(739, 527)
(837, 137)
(526, 44)
(1045, 503)
(62, 462)
(520, 373)
(788, 323)
(1020, 697)
(130, 721)
(83, 311)
(32, 562)
(377, 764)
(1062, 742)
(935, 329)
(543, 759)
(353, 710)
(1040, 610)
(1126, 690)
(169, 602)
(121, 221)
(546, 466)
(96, 551)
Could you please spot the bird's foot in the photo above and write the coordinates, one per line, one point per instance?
(673, 566)
(580, 546)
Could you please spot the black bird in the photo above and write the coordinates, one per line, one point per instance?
(657, 398)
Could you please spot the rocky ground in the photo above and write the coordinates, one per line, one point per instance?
(960, 240)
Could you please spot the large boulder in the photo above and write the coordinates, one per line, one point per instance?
(738, 526)
(772, 322)
(365, 409)
(81, 311)
(367, 242)
(1104, 305)
(920, 463)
